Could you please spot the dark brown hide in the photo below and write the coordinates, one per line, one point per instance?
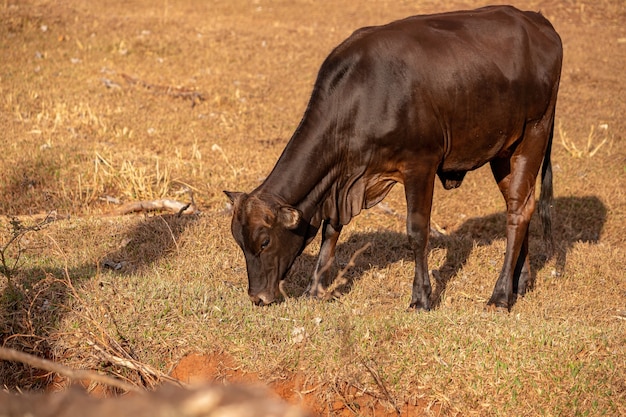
(426, 96)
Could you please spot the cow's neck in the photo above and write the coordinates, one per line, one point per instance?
(307, 170)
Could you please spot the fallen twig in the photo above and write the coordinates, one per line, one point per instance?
(13, 355)
(381, 384)
(340, 278)
(178, 92)
(207, 400)
(132, 364)
(154, 205)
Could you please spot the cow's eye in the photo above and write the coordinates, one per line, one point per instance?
(265, 243)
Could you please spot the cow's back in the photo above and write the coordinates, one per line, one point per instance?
(475, 78)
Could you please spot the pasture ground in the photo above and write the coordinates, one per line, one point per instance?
(124, 101)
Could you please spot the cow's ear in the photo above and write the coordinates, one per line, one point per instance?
(289, 217)
(234, 196)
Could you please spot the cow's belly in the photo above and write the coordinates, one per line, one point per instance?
(468, 152)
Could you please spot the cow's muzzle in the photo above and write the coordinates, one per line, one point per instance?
(262, 299)
(266, 296)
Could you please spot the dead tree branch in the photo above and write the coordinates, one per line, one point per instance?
(178, 92)
(155, 205)
(13, 355)
(382, 386)
(340, 279)
(146, 371)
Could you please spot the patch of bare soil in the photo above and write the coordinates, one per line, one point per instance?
(198, 369)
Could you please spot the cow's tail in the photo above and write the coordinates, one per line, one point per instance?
(546, 197)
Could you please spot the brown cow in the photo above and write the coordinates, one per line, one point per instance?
(426, 96)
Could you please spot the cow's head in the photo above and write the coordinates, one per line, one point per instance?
(270, 235)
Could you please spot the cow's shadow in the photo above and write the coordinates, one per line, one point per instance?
(575, 219)
(147, 241)
(36, 298)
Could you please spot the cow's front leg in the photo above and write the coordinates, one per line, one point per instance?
(325, 260)
(419, 197)
(418, 239)
(514, 258)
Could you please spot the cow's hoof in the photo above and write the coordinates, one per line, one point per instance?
(500, 301)
(494, 308)
(418, 307)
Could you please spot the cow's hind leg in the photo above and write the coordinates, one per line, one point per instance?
(516, 178)
(325, 260)
(418, 186)
(522, 278)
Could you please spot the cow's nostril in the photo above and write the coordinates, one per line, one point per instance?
(261, 299)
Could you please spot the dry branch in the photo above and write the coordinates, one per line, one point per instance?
(155, 205)
(132, 364)
(383, 387)
(178, 92)
(8, 354)
(204, 401)
(340, 278)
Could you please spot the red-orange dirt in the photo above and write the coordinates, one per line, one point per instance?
(198, 368)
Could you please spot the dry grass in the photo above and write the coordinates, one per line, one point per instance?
(591, 147)
(216, 90)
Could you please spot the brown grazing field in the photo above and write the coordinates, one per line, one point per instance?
(110, 103)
